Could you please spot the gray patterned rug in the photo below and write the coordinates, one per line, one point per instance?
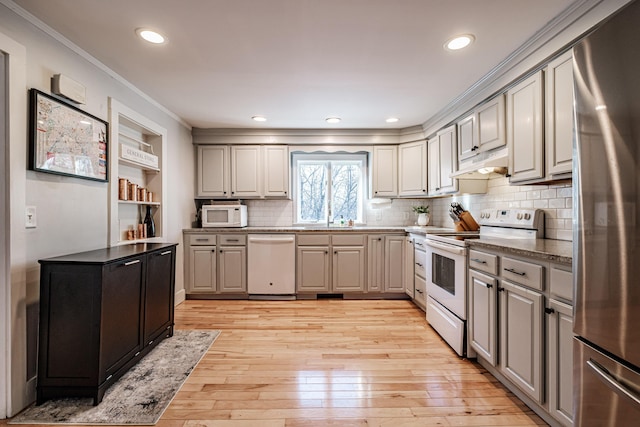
(140, 396)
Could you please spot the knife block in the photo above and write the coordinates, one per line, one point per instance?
(468, 223)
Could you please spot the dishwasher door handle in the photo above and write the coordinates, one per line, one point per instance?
(289, 239)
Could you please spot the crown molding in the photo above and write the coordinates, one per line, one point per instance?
(554, 38)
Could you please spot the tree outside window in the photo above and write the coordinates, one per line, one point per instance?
(328, 183)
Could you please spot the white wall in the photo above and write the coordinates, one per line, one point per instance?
(72, 213)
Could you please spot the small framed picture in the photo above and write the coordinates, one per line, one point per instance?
(65, 140)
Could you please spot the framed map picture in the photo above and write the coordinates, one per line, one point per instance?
(65, 140)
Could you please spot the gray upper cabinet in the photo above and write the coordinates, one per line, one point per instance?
(412, 170)
(483, 129)
(213, 171)
(442, 162)
(384, 171)
(559, 116)
(246, 171)
(276, 171)
(525, 131)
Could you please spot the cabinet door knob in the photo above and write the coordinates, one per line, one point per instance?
(500, 289)
(549, 310)
(489, 286)
(220, 250)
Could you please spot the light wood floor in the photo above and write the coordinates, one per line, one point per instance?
(333, 363)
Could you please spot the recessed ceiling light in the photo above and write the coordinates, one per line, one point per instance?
(333, 119)
(392, 120)
(459, 42)
(151, 36)
(259, 118)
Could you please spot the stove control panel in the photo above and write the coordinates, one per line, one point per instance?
(532, 219)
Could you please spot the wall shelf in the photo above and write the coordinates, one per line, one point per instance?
(128, 127)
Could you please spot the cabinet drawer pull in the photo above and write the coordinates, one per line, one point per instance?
(418, 291)
(135, 261)
(135, 355)
(202, 239)
(549, 310)
(165, 253)
(232, 240)
(150, 342)
(418, 264)
(500, 289)
(511, 270)
(419, 244)
(109, 377)
(481, 261)
(489, 285)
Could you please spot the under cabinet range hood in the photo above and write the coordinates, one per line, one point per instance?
(483, 165)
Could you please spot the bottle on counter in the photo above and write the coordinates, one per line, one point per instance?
(149, 224)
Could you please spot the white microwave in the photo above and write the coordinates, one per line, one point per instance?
(224, 215)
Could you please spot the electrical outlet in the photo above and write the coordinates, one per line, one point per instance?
(30, 217)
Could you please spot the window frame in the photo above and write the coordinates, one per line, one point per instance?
(328, 158)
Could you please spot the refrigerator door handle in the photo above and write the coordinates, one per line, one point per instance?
(612, 382)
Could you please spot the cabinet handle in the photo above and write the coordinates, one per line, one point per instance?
(612, 382)
(481, 261)
(549, 310)
(109, 377)
(489, 285)
(232, 240)
(135, 261)
(511, 270)
(335, 252)
(500, 289)
(419, 291)
(202, 239)
(220, 250)
(150, 342)
(424, 191)
(417, 263)
(135, 355)
(233, 192)
(437, 188)
(326, 252)
(165, 253)
(419, 244)
(224, 192)
(213, 250)
(379, 238)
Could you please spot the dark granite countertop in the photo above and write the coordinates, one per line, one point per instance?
(560, 251)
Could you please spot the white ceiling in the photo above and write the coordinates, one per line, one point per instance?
(299, 61)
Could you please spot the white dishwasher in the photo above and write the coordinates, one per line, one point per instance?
(271, 260)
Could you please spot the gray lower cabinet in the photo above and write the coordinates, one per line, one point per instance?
(520, 325)
(409, 279)
(483, 316)
(385, 261)
(560, 356)
(312, 270)
(215, 264)
(348, 268)
(521, 358)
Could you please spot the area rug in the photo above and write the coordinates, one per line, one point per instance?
(140, 396)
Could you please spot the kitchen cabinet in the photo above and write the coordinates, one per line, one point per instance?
(442, 162)
(483, 129)
(412, 169)
(101, 312)
(409, 280)
(276, 171)
(521, 327)
(215, 264)
(521, 338)
(137, 153)
(313, 263)
(483, 315)
(525, 129)
(560, 356)
(243, 171)
(559, 116)
(419, 263)
(393, 264)
(246, 171)
(385, 263)
(232, 263)
(384, 171)
(213, 171)
(348, 268)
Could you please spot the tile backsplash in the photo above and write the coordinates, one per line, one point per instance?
(554, 199)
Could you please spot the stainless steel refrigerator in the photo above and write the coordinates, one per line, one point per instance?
(606, 199)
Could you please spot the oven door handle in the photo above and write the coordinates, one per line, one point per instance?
(447, 248)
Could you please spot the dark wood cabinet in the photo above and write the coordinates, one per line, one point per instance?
(100, 312)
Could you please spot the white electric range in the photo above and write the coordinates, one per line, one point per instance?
(446, 268)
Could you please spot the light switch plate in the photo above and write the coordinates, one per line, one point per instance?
(30, 217)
